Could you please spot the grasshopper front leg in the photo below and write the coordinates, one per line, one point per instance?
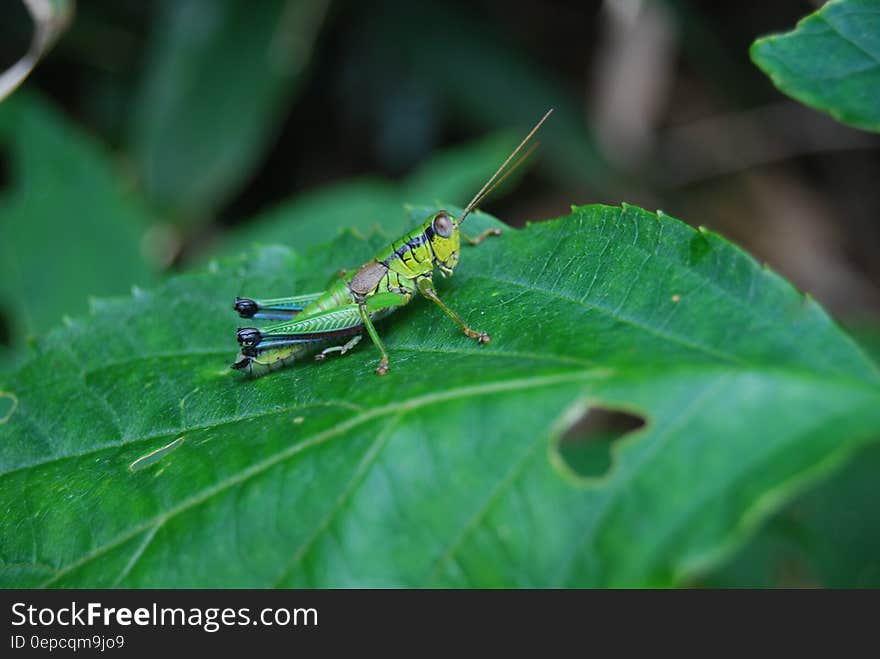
(480, 237)
(426, 288)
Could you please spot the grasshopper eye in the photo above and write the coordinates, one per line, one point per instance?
(442, 225)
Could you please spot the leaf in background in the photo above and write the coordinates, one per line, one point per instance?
(445, 471)
(220, 76)
(51, 18)
(453, 176)
(68, 229)
(830, 61)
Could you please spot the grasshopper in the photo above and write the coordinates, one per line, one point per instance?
(334, 320)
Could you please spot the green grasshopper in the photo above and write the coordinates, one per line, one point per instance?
(334, 320)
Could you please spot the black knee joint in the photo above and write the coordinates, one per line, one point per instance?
(246, 307)
(248, 337)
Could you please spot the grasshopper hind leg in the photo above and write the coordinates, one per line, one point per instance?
(321, 356)
(270, 348)
(279, 308)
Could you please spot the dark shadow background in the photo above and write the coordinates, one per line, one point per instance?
(679, 117)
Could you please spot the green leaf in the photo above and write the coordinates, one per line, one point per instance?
(444, 472)
(830, 61)
(454, 176)
(69, 227)
(212, 98)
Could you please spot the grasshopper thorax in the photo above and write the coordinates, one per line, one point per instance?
(441, 230)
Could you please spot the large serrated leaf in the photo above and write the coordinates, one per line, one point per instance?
(830, 61)
(444, 472)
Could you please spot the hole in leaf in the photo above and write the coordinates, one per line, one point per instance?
(586, 445)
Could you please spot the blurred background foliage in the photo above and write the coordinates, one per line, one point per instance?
(157, 135)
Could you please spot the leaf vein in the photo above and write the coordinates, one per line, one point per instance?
(316, 440)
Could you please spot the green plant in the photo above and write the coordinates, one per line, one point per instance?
(321, 475)
(830, 62)
(130, 455)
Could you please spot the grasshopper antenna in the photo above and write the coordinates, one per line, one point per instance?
(494, 181)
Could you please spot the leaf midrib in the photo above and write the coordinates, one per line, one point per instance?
(822, 16)
(124, 442)
(596, 368)
(318, 439)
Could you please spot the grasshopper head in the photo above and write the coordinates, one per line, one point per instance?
(442, 231)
